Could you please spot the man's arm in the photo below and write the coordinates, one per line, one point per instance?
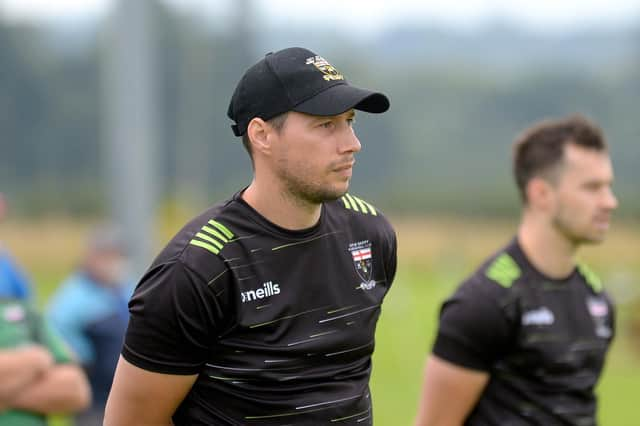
(20, 367)
(61, 389)
(143, 397)
(449, 393)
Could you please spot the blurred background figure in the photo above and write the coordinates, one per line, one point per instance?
(90, 311)
(13, 282)
(38, 375)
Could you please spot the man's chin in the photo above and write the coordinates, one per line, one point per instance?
(592, 239)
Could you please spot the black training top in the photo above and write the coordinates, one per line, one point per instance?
(279, 325)
(542, 341)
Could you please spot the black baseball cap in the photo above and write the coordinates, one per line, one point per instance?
(296, 79)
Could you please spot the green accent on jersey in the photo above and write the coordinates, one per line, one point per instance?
(209, 239)
(345, 202)
(354, 203)
(363, 206)
(504, 270)
(205, 246)
(215, 233)
(590, 277)
(351, 416)
(222, 228)
(354, 206)
(372, 210)
(308, 240)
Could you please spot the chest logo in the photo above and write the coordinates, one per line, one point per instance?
(599, 311)
(362, 256)
(597, 307)
(540, 316)
(268, 289)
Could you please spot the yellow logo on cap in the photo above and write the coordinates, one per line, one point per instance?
(330, 73)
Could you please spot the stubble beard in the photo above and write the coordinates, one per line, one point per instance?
(304, 189)
(563, 225)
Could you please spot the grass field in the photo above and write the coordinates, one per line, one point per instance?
(434, 255)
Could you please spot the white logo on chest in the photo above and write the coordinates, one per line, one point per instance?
(268, 289)
(540, 316)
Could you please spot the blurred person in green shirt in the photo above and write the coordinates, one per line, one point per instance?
(38, 373)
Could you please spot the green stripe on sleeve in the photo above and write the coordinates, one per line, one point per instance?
(504, 270)
(345, 202)
(371, 208)
(361, 204)
(222, 228)
(353, 202)
(205, 246)
(215, 233)
(209, 239)
(590, 277)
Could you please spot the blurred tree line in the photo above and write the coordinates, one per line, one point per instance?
(458, 101)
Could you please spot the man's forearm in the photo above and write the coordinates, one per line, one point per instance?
(19, 368)
(62, 389)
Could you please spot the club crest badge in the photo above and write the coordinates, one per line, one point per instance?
(329, 71)
(599, 311)
(362, 256)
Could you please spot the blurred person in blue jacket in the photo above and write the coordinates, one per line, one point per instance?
(90, 310)
(13, 282)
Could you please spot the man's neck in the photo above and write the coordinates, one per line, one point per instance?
(547, 249)
(282, 208)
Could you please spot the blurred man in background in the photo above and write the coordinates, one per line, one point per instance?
(90, 310)
(263, 309)
(524, 339)
(38, 375)
(13, 282)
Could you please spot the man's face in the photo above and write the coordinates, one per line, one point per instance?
(314, 155)
(582, 198)
(107, 267)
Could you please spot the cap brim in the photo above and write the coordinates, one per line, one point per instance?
(341, 98)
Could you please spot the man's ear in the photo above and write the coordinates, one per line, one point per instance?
(258, 132)
(539, 193)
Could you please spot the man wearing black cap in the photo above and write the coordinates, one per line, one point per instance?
(262, 310)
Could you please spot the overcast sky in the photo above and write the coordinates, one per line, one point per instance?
(366, 15)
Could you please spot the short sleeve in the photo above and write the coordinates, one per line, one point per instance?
(391, 262)
(174, 319)
(612, 314)
(473, 331)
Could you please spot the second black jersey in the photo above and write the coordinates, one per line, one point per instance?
(543, 341)
(279, 325)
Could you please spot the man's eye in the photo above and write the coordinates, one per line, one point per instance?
(327, 124)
